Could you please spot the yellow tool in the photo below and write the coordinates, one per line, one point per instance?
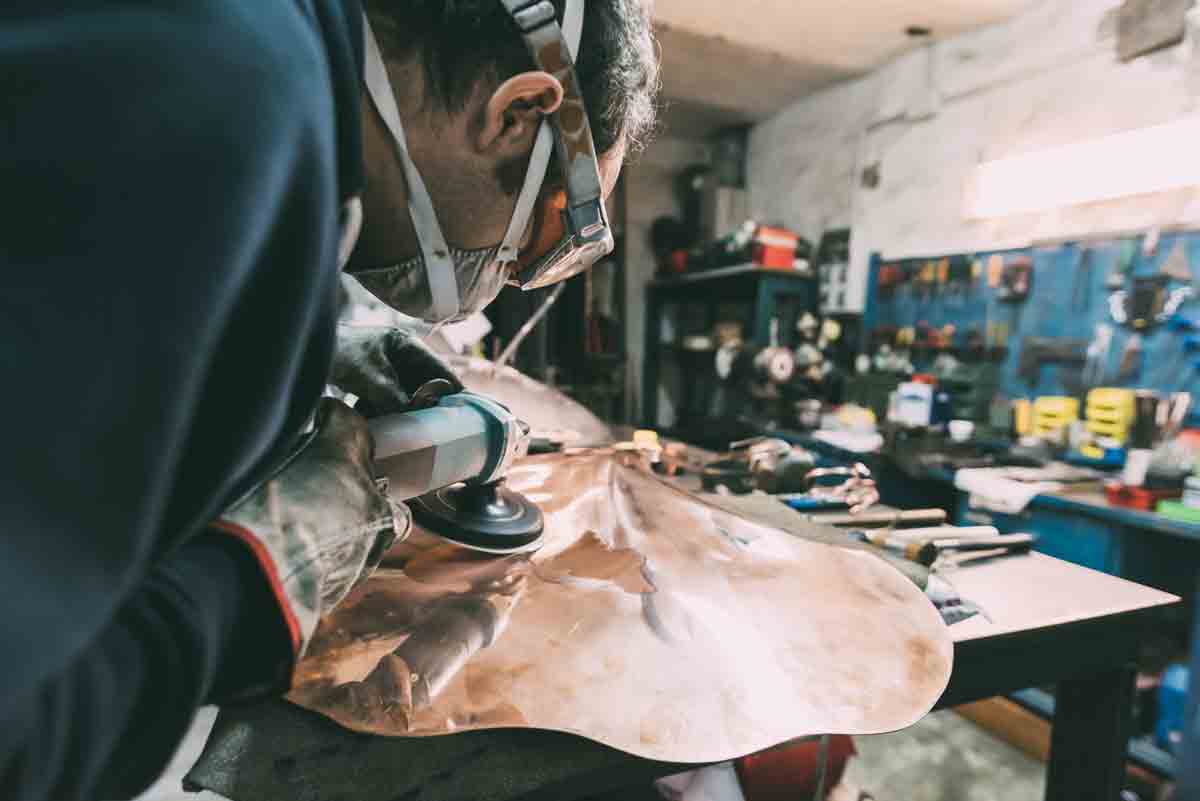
(1110, 413)
(1052, 415)
(1023, 417)
(995, 269)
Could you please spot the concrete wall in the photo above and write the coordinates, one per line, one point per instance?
(649, 194)
(1049, 77)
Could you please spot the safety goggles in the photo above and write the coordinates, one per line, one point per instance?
(574, 232)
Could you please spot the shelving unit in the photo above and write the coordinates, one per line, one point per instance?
(762, 294)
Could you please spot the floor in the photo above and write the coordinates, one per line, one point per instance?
(942, 758)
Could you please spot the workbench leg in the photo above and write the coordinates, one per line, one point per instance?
(1090, 735)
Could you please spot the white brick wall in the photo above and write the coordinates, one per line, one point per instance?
(1049, 77)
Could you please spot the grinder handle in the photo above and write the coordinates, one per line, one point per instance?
(466, 437)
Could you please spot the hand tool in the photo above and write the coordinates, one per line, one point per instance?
(1081, 293)
(958, 276)
(882, 519)
(810, 502)
(857, 491)
(933, 533)
(927, 277)
(1150, 242)
(908, 542)
(1008, 543)
(1131, 358)
(890, 277)
(1147, 303)
(1176, 265)
(447, 457)
(1016, 280)
(995, 270)
(1097, 356)
(1172, 411)
(1123, 265)
(1037, 351)
(926, 552)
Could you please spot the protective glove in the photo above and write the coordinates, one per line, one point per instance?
(322, 523)
(384, 367)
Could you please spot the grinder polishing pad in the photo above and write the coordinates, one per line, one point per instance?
(484, 517)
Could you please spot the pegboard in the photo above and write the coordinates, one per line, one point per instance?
(1061, 304)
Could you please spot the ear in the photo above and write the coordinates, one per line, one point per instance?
(515, 110)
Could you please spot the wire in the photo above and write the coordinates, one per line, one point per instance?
(530, 324)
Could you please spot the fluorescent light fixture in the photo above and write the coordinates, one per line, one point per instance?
(1137, 162)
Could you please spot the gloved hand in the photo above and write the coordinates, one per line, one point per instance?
(384, 367)
(320, 525)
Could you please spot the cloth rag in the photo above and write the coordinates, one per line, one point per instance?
(989, 489)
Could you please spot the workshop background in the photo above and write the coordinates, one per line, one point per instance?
(859, 232)
(863, 130)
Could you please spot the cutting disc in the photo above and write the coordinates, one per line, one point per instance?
(486, 517)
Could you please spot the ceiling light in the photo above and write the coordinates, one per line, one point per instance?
(1138, 162)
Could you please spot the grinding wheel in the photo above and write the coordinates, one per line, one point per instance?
(483, 517)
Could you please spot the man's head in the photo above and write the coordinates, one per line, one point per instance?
(472, 100)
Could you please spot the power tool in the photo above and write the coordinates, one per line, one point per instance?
(447, 457)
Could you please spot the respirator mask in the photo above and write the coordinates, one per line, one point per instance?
(443, 284)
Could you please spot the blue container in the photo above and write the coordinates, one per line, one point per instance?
(1172, 703)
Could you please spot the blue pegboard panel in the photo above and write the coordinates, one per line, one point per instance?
(1055, 309)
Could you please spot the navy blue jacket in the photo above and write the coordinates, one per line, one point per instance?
(171, 175)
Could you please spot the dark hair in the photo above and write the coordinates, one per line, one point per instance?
(461, 42)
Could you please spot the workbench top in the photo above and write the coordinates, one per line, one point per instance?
(1095, 504)
(1032, 591)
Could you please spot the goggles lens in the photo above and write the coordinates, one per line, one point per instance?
(558, 254)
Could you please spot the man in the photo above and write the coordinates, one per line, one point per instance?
(181, 181)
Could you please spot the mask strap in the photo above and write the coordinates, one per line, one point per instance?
(439, 267)
(535, 176)
(572, 26)
(539, 160)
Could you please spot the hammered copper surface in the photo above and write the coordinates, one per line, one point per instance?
(649, 621)
(533, 402)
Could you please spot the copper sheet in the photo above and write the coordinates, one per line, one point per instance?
(533, 402)
(650, 621)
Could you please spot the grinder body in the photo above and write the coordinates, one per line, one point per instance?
(448, 461)
(465, 437)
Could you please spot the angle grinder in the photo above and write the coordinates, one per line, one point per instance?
(447, 458)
